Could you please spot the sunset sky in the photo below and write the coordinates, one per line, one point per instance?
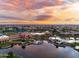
(39, 11)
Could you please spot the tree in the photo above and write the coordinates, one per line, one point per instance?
(24, 36)
(12, 45)
(75, 38)
(10, 55)
(23, 46)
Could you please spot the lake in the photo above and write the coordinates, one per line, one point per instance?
(45, 50)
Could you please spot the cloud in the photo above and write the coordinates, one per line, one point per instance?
(42, 3)
(10, 17)
(39, 11)
(42, 17)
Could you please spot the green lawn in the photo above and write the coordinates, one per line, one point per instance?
(9, 56)
(22, 40)
(76, 44)
(3, 44)
(73, 44)
(9, 33)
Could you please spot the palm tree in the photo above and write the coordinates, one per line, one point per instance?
(75, 38)
(23, 46)
(12, 45)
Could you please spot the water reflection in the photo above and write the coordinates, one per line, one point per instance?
(44, 50)
(4, 51)
(68, 52)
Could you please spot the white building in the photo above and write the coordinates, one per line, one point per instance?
(3, 38)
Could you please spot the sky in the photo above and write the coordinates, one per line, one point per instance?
(39, 11)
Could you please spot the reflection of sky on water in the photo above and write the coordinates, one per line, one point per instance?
(44, 50)
(3, 51)
(68, 52)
